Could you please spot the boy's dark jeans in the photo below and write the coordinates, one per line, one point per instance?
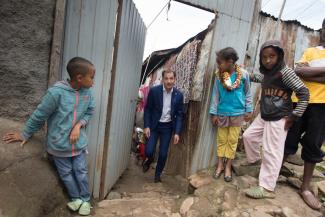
(73, 172)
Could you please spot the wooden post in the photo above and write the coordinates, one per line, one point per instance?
(57, 42)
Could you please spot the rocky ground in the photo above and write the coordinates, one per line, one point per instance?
(136, 195)
(29, 187)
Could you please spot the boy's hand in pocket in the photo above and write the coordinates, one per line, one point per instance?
(75, 134)
(14, 137)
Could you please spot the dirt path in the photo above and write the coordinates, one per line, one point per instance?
(136, 195)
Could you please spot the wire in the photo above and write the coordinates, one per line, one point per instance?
(154, 19)
(263, 6)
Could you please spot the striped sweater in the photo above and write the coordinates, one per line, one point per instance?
(276, 94)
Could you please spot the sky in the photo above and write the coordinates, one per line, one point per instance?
(181, 22)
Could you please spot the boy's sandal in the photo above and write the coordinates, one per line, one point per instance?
(310, 199)
(259, 192)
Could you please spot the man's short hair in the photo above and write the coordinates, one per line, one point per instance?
(78, 65)
(168, 71)
(323, 25)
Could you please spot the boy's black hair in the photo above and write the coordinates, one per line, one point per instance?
(323, 23)
(228, 53)
(78, 65)
(168, 71)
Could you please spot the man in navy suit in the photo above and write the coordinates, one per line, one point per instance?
(163, 117)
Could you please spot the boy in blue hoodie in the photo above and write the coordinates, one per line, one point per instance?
(67, 108)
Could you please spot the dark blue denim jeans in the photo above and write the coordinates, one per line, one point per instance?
(73, 172)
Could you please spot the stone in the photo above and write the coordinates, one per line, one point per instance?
(259, 214)
(199, 180)
(240, 169)
(186, 205)
(295, 159)
(282, 179)
(270, 209)
(294, 182)
(245, 214)
(246, 181)
(287, 212)
(193, 213)
(153, 207)
(175, 215)
(114, 195)
(321, 187)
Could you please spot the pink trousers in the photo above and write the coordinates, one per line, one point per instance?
(271, 135)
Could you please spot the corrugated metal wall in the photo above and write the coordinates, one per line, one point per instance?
(232, 29)
(295, 38)
(128, 68)
(90, 33)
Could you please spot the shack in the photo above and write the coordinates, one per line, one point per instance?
(194, 63)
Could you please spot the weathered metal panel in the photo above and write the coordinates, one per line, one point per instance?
(295, 38)
(89, 33)
(232, 29)
(234, 8)
(127, 78)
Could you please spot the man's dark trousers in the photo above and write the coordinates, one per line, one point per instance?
(163, 132)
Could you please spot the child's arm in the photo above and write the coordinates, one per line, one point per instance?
(256, 77)
(291, 80)
(307, 73)
(36, 120)
(214, 102)
(248, 101)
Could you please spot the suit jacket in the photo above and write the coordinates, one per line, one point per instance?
(154, 107)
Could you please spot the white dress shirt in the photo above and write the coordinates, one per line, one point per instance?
(167, 101)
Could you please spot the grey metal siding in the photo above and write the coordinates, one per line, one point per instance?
(232, 29)
(128, 68)
(89, 33)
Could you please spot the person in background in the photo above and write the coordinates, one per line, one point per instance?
(163, 117)
(231, 104)
(309, 130)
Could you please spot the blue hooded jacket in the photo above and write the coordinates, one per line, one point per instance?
(62, 107)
